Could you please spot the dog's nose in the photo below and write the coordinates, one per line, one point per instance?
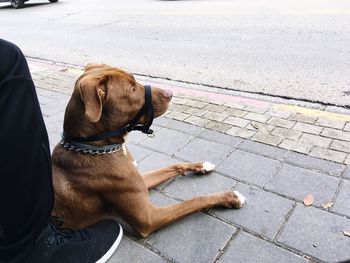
(168, 94)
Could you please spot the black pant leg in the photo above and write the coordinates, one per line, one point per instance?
(26, 193)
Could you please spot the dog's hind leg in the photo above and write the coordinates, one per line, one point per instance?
(157, 177)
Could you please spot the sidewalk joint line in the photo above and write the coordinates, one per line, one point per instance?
(228, 243)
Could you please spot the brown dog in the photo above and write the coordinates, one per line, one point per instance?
(91, 186)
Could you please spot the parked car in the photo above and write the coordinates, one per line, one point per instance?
(20, 3)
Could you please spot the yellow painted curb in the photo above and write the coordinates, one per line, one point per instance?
(312, 112)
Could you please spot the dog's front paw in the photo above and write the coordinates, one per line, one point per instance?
(233, 199)
(206, 167)
(240, 197)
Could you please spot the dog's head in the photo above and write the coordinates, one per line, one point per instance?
(107, 98)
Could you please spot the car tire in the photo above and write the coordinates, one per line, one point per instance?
(17, 3)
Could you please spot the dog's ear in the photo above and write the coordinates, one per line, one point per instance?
(93, 94)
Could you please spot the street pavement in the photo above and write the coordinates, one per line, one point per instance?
(294, 49)
(275, 154)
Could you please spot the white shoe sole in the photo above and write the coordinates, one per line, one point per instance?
(112, 249)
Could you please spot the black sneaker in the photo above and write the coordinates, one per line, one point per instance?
(95, 243)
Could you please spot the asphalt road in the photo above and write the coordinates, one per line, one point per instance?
(280, 48)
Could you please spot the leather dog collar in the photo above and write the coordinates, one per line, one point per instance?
(146, 109)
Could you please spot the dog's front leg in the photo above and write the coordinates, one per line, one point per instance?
(157, 177)
(159, 217)
(132, 203)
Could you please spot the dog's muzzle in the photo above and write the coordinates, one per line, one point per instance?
(146, 110)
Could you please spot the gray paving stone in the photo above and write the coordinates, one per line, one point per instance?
(256, 117)
(263, 149)
(249, 167)
(336, 134)
(240, 132)
(267, 138)
(54, 108)
(167, 141)
(257, 109)
(215, 108)
(202, 150)
(342, 203)
(347, 127)
(54, 138)
(330, 123)
(347, 159)
(197, 121)
(56, 126)
(197, 238)
(260, 127)
(279, 113)
(340, 146)
(309, 128)
(328, 154)
(196, 111)
(316, 164)
(213, 100)
(281, 122)
(317, 233)
(45, 100)
(57, 119)
(161, 199)
(155, 161)
(183, 127)
(235, 105)
(130, 251)
(219, 137)
(54, 131)
(250, 249)
(286, 133)
(215, 116)
(52, 94)
(297, 182)
(161, 121)
(346, 173)
(180, 108)
(178, 100)
(263, 212)
(295, 146)
(303, 118)
(235, 112)
(315, 140)
(136, 137)
(196, 104)
(218, 126)
(236, 121)
(177, 115)
(186, 187)
(138, 152)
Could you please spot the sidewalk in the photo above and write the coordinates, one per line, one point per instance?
(274, 154)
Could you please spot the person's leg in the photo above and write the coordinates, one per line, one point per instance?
(26, 194)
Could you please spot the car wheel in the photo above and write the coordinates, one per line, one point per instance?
(17, 3)
(53, 1)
